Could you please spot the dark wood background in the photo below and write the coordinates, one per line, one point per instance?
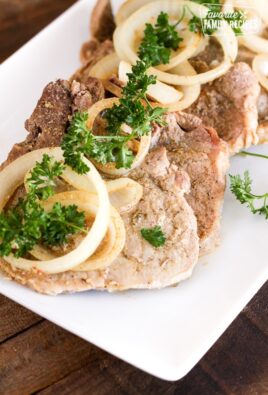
(39, 357)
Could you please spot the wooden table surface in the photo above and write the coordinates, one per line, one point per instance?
(37, 356)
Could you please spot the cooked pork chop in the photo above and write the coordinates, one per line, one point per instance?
(229, 104)
(205, 157)
(48, 122)
(140, 265)
(86, 93)
(91, 52)
(102, 23)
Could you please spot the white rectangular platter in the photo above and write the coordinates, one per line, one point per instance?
(164, 332)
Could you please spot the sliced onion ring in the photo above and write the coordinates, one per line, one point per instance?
(13, 175)
(160, 92)
(105, 67)
(255, 43)
(112, 88)
(260, 67)
(190, 93)
(124, 193)
(125, 41)
(128, 8)
(225, 36)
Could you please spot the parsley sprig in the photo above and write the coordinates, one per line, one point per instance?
(159, 40)
(42, 177)
(27, 224)
(80, 141)
(242, 189)
(133, 110)
(155, 236)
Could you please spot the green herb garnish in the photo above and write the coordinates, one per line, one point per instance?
(80, 141)
(159, 40)
(42, 178)
(241, 188)
(154, 236)
(61, 222)
(27, 224)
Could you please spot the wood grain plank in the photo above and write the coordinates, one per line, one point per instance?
(21, 20)
(257, 310)
(239, 360)
(39, 357)
(14, 318)
(105, 376)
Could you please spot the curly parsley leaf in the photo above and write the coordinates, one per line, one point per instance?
(80, 141)
(42, 177)
(73, 143)
(158, 41)
(21, 227)
(61, 222)
(133, 110)
(242, 189)
(154, 236)
(27, 224)
(138, 81)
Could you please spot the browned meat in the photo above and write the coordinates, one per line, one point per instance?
(102, 23)
(48, 122)
(140, 265)
(208, 58)
(86, 94)
(204, 156)
(229, 104)
(91, 52)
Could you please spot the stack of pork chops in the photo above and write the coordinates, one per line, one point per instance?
(183, 176)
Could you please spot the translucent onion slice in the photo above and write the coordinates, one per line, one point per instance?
(107, 254)
(127, 35)
(105, 67)
(128, 8)
(112, 88)
(126, 31)
(260, 67)
(124, 193)
(259, 6)
(254, 43)
(13, 175)
(111, 245)
(204, 42)
(143, 144)
(98, 107)
(190, 93)
(160, 92)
